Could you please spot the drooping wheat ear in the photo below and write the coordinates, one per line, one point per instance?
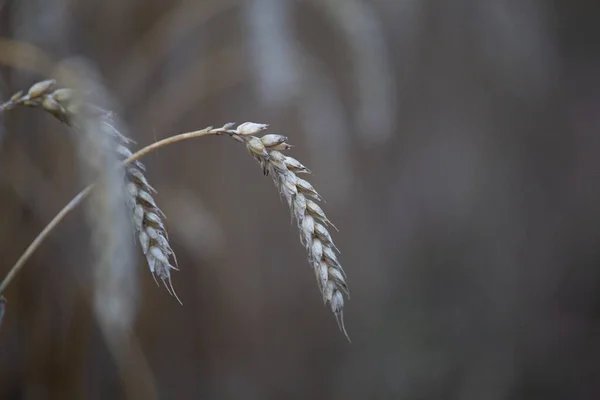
(300, 197)
(147, 217)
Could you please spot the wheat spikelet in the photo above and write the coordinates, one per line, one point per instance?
(147, 216)
(300, 197)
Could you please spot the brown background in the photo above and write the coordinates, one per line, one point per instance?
(457, 144)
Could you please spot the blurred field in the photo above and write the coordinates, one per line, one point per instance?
(457, 144)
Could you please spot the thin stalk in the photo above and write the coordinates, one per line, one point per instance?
(85, 192)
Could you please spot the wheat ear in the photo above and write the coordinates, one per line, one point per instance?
(312, 222)
(146, 215)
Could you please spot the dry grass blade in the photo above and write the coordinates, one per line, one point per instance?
(2, 309)
(114, 276)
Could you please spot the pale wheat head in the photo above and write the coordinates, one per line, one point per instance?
(67, 106)
(301, 198)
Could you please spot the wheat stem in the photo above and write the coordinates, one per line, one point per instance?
(2, 308)
(85, 192)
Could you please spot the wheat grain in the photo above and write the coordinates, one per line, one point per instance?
(311, 220)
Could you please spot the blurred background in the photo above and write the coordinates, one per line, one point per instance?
(457, 144)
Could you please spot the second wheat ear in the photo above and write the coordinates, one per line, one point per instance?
(147, 218)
